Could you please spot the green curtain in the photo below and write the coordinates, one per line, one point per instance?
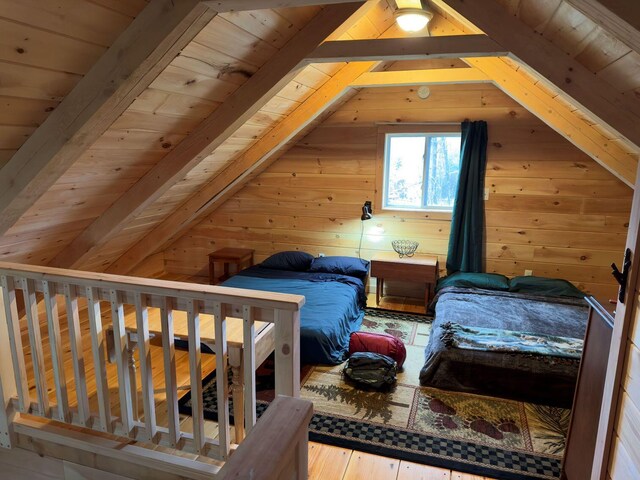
(467, 222)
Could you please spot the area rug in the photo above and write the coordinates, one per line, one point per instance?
(494, 437)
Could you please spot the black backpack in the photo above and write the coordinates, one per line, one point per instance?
(371, 369)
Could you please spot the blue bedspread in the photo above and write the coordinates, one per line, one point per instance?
(332, 311)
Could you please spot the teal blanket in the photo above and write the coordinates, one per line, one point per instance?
(498, 340)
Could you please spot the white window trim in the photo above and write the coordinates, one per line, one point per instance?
(385, 170)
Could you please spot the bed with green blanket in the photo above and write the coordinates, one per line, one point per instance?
(522, 344)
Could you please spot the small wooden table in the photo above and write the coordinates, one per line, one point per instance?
(239, 257)
(418, 268)
(265, 344)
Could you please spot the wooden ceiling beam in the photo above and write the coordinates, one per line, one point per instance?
(242, 169)
(243, 5)
(433, 76)
(134, 60)
(559, 117)
(593, 94)
(618, 17)
(409, 48)
(210, 134)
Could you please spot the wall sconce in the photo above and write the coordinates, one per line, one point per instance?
(366, 211)
(366, 215)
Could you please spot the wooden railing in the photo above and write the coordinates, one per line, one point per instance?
(65, 292)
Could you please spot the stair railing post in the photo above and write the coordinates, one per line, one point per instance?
(8, 388)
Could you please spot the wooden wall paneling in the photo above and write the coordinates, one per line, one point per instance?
(238, 172)
(593, 94)
(73, 18)
(20, 464)
(603, 50)
(570, 30)
(223, 122)
(158, 34)
(560, 118)
(223, 36)
(310, 198)
(242, 5)
(621, 19)
(28, 45)
(266, 24)
(128, 7)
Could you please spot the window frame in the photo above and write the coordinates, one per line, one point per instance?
(385, 132)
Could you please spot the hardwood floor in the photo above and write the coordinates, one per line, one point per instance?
(327, 462)
(400, 304)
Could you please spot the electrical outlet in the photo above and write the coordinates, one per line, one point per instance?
(528, 273)
(486, 194)
(321, 254)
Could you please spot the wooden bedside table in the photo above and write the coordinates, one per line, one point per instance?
(239, 257)
(419, 268)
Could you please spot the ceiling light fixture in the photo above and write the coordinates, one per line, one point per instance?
(412, 19)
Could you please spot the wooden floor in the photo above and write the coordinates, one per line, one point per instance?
(400, 304)
(325, 462)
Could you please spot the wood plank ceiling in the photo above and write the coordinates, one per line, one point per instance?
(47, 47)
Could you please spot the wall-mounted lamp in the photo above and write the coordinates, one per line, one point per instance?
(366, 211)
(366, 215)
(413, 19)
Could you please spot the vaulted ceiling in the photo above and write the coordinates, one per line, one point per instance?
(123, 122)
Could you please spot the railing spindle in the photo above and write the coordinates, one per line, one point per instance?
(146, 372)
(287, 352)
(15, 341)
(169, 356)
(169, 301)
(77, 354)
(99, 360)
(222, 384)
(195, 372)
(249, 363)
(35, 340)
(122, 361)
(53, 322)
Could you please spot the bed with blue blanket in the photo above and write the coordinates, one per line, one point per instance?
(519, 338)
(334, 306)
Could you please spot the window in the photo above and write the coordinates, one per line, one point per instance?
(421, 170)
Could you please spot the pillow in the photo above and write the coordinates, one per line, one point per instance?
(292, 260)
(489, 281)
(354, 267)
(551, 287)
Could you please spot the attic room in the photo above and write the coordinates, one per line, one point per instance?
(391, 223)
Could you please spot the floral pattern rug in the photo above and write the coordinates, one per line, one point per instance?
(487, 436)
(492, 421)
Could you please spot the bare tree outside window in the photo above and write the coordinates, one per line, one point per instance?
(421, 171)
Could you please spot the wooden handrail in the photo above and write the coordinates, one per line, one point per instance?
(111, 330)
(277, 447)
(254, 298)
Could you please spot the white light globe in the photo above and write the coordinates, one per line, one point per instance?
(412, 19)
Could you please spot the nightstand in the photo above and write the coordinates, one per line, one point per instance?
(238, 257)
(418, 268)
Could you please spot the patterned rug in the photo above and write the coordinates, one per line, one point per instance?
(489, 436)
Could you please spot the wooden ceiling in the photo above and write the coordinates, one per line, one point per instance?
(233, 100)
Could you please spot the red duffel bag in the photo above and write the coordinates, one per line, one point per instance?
(381, 343)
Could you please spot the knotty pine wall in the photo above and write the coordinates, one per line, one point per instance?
(551, 208)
